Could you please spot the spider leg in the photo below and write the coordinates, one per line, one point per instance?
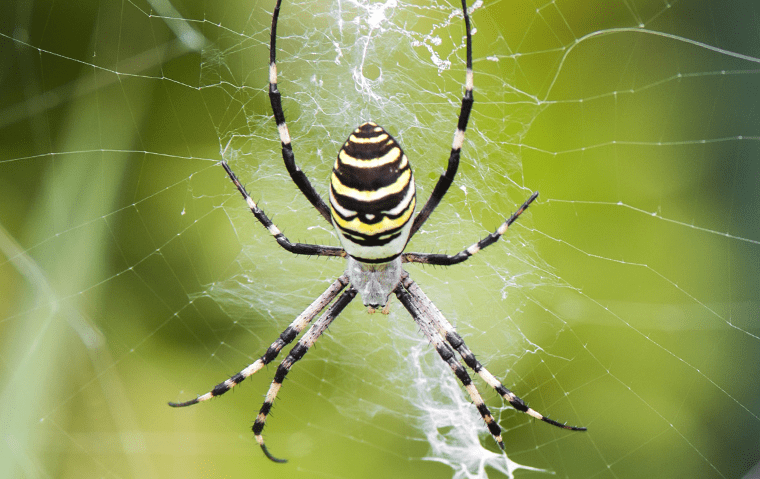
(282, 240)
(464, 114)
(446, 330)
(448, 260)
(274, 349)
(448, 356)
(298, 351)
(298, 176)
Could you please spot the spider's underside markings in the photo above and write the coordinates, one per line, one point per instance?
(373, 182)
(390, 157)
(384, 228)
(371, 196)
(406, 204)
(373, 139)
(372, 199)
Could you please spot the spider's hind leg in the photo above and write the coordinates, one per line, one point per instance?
(275, 99)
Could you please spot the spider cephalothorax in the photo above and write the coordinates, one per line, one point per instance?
(372, 201)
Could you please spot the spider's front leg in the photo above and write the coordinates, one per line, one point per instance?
(298, 351)
(448, 356)
(446, 331)
(287, 336)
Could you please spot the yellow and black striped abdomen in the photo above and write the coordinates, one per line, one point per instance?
(372, 195)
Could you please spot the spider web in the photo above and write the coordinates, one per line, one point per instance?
(625, 300)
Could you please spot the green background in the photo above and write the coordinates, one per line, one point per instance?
(131, 274)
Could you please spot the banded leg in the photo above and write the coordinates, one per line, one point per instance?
(448, 260)
(446, 330)
(295, 248)
(298, 176)
(298, 351)
(274, 349)
(448, 356)
(444, 182)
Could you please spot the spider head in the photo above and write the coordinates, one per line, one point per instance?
(374, 282)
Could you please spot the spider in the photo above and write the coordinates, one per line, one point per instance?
(372, 202)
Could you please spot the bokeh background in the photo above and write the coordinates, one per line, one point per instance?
(131, 274)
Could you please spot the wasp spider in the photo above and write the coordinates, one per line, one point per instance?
(372, 201)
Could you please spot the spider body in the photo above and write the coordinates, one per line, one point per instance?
(374, 281)
(372, 196)
(372, 201)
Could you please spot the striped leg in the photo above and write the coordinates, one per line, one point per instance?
(295, 248)
(448, 260)
(444, 182)
(422, 319)
(298, 351)
(285, 338)
(446, 330)
(298, 176)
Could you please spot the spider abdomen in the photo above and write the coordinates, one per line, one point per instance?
(372, 195)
